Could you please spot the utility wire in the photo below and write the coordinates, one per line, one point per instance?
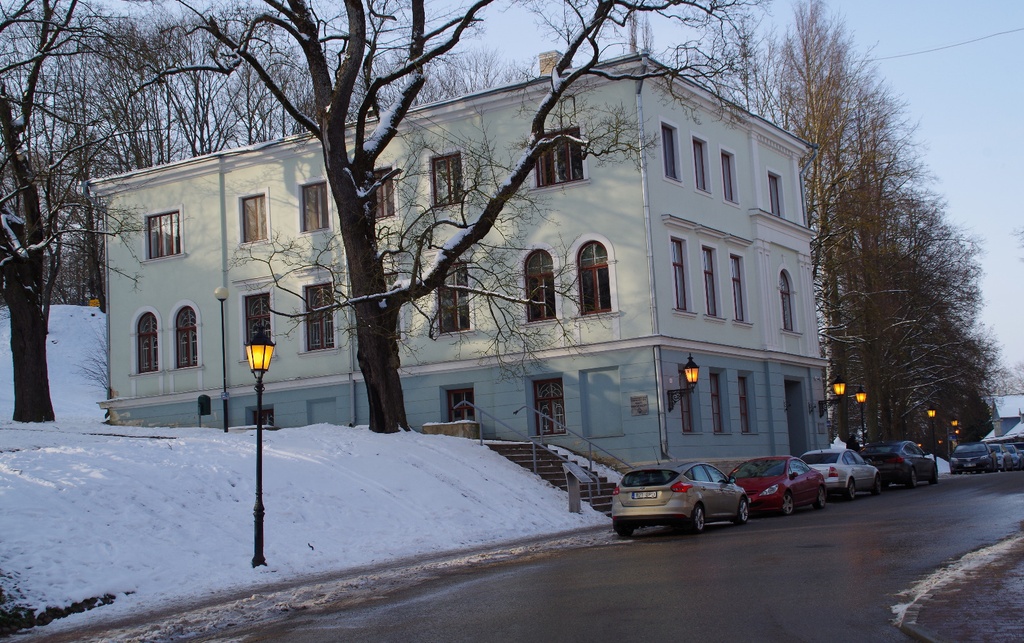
(959, 44)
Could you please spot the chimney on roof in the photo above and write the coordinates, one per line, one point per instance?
(548, 60)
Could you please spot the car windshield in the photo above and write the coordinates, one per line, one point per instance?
(828, 457)
(881, 448)
(649, 478)
(970, 449)
(760, 469)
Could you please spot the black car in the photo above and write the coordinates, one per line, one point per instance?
(972, 457)
(901, 462)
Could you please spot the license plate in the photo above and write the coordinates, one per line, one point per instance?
(641, 495)
(969, 464)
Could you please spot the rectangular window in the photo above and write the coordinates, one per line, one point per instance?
(700, 165)
(716, 403)
(741, 389)
(163, 232)
(319, 323)
(775, 194)
(384, 197)
(456, 397)
(549, 402)
(314, 207)
(679, 273)
(254, 219)
(267, 417)
(736, 267)
(563, 163)
(446, 173)
(453, 301)
(257, 315)
(710, 295)
(668, 151)
(728, 182)
(685, 408)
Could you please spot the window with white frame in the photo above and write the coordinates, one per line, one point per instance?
(679, 273)
(669, 153)
(147, 344)
(700, 164)
(729, 177)
(736, 270)
(453, 301)
(786, 297)
(315, 214)
(186, 332)
(775, 194)
(446, 177)
(254, 218)
(594, 281)
(710, 292)
(163, 235)
(384, 197)
(540, 286)
(563, 163)
(319, 317)
(257, 315)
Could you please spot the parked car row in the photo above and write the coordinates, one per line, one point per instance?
(688, 495)
(981, 457)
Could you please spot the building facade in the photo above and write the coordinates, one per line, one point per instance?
(696, 248)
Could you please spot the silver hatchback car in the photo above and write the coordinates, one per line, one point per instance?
(677, 494)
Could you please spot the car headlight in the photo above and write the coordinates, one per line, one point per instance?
(770, 490)
(954, 461)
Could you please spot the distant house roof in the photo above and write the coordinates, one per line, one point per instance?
(1007, 418)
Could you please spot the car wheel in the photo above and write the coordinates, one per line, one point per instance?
(787, 504)
(742, 513)
(935, 475)
(624, 530)
(819, 502)
(697, 519)
(912, 483)
(851, 490)
(876, 487)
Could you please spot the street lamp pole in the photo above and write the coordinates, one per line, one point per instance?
(259, 350)
(221, 293)
(931, 420)
(861, 397)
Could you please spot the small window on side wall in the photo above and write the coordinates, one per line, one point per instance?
(786, 297)
(254, 219)
(540, 286)
(446, 175)
(669, 152)
(775, 194)
(456, 397)
(700, 165)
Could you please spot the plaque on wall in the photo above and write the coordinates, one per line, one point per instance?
(638, 404)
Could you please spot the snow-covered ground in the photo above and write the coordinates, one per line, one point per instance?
(151, 515)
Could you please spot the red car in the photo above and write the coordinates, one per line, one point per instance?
(780, 483)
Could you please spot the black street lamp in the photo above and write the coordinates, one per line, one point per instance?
(861, 397)
(259, 350)
(691, 371)
(221, 293)
(931, 420)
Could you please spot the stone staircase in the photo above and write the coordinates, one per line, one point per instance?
(549, 467)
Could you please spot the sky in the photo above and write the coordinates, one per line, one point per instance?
(965, 101)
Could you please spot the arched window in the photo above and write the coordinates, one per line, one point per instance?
(146, 336)
(540, 286)
(186, 338)
(786, 295)
(595, 291)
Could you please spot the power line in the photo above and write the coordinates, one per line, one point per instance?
(959, 44)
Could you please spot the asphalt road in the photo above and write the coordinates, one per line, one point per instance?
(817, 575)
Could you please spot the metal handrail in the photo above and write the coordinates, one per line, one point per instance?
(533, 439)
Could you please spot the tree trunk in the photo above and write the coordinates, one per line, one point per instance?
(28, 343)
(379, 361)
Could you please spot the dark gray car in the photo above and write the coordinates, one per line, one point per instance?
(972, 457)
(901, 462)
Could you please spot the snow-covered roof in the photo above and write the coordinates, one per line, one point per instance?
(1007, 418)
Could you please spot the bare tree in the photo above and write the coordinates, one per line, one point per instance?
(368, 64)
